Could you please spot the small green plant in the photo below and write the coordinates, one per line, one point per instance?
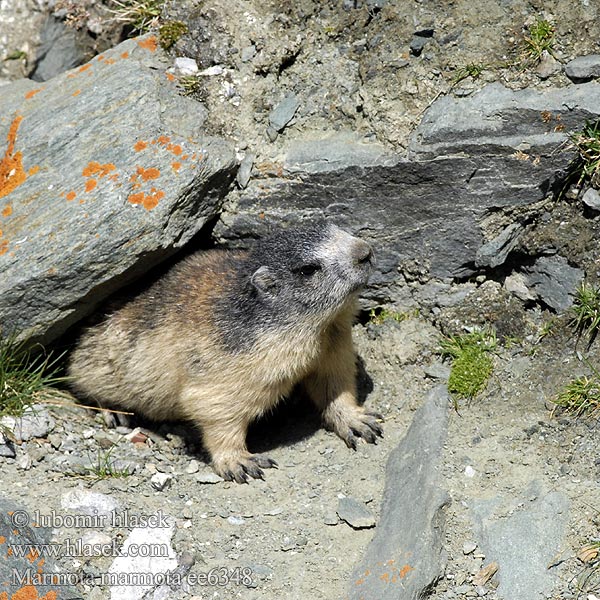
(140, 15)
(587, 144)
(539, 40)
(25, 377)
(105, 466)
(472, 363)
(588, 580)
(580, 397)
(381, 314)
(191, 85)
(547, 329)
(473, 70)
(170, 32)
(16, 55)
(586, 311)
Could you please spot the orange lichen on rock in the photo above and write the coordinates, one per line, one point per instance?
(71, 195)
(140, 145)
(12, 174)
(405, 570)
(31, 93)
(33, 170)
(151, 200)
(136, 198)
(148, 201)
(90, 184)
(176, 166)
(84, 68)
(148, 174)
(149, 43)
(32, 555)
(7, 211)
(170, 76)
(76, 93)
(125, 54)
(95, 168)
(30, 592)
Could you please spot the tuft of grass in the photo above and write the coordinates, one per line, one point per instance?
(191, 85)
(105, 466)
(381, 314)
(580, 397)
(472, 363)
(539, 40)
(16, 55)
(140, 15)
(170, 32)
(586, 311)
(473, 70)
(26, 377)
(587, 144)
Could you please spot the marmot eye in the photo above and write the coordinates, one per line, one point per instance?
(308, 270)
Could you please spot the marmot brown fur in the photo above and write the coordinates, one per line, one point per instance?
(224, 335)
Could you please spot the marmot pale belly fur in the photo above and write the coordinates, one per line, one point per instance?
(224, 335)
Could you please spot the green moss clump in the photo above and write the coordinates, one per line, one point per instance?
(472, 363)
(170, 32)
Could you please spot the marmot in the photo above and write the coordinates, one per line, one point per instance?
(225, 334)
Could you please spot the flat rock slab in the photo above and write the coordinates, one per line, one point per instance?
(104, 172)
(406, 556)
(523, 535)
(583, 68)
(30, 575)
(554, 281)
(498, 120)
(355, 513)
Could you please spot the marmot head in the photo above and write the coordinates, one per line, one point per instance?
(310, 270)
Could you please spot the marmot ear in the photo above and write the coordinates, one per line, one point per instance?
(263, 279)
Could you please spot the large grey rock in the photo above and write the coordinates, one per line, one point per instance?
(29, 575)
(497, 152)
(106, 172)
(554, 281)
(523, 535)
(406, 556)
(583, 68)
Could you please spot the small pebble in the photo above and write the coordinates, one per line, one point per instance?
(160, 481)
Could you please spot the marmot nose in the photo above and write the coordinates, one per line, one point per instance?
(361, 252)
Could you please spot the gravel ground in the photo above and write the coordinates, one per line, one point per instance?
(504, 448)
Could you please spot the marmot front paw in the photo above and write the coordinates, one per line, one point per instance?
(356, 422)
(239, 467)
